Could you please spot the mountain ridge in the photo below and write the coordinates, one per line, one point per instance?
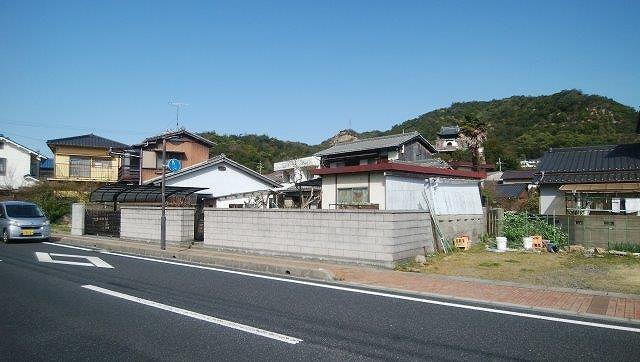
(518, 126)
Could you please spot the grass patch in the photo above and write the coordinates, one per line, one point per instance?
(61, 228)
(567, 270)
(489, 264)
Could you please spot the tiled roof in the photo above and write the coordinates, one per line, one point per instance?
(374, 143)
(449, 131)
(510, 190)
(595, 164)
(517, 175)
(87, 140)
(180, 132)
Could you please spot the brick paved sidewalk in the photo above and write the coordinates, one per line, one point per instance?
(572, 301)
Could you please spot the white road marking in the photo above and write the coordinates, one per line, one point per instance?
(202, 317)
(67, 246)
(94, 261)
(394, 296)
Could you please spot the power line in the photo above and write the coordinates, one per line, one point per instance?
(64, 126)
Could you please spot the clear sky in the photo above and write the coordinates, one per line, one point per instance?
(298, 70)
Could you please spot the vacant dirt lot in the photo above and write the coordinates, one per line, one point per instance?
(604, 273)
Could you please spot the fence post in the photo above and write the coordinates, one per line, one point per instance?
(499, 221)
(77, 218)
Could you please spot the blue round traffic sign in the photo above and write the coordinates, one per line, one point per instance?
(174, 165)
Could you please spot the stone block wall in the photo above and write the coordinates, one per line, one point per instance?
(374, 237)
(143, 223)
(473, 225)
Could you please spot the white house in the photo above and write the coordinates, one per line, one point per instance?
(229, 183)
(19, 165)
(297, 170)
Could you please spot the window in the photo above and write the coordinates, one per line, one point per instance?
(353, 196)
(24, 211)
(3, 166)
(101, 162)
(79, 166)
(1, 145)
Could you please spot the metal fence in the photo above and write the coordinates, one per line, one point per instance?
(102, 221)
(604, 231)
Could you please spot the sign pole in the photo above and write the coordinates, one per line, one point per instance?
(163, 218)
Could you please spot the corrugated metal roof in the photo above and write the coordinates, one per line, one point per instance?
(87, 140)
(612, 163)
(374, 143)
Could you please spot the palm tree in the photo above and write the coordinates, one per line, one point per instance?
(473, 133)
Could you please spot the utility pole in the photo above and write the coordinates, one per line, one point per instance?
(163, 218)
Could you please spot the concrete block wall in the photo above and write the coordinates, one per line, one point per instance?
(143, 223)
(472, 225)
(374, 237)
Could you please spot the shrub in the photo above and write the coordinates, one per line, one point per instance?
(54, 201)
(517, 225)
(628, 247)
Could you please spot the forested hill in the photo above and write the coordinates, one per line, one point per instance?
(258, 152)
(518, 126)
(528, 126)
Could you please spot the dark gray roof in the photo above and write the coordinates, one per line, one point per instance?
(510, 190)
(517, 175)
(180, 132)
(449, 131)
(594, 164)
(87, 140)
(374, 143)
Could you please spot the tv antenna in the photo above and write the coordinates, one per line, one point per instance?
(178, 105)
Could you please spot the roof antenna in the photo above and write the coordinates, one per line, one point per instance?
(178, 105)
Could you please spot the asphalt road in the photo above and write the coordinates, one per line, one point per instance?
(148, 310)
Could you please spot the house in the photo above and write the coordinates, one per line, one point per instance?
(224, 181)
(85, 158)
(296, 170)
(46, 169)
(531, 164)
(18, 164)
(517, 177)
(590, 180)
(300, 187)
(143, 161)
(385, 172)
(449, 139)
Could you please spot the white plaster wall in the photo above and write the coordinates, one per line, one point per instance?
(328, 191)
(377, 190)
(18, 165)
(551, 200)
(220, 183)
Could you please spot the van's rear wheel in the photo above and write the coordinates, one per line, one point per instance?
(5, 237)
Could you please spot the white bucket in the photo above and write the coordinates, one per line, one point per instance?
(527, 242)
(501, 243)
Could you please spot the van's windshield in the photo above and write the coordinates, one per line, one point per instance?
(23, 211)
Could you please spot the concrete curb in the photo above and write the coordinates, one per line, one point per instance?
(289, 270)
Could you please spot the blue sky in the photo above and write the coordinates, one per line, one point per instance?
(298, 70)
